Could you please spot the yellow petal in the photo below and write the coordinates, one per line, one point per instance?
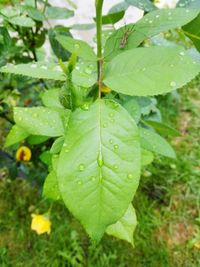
(106, 90)
(40, 223)
(23, 153)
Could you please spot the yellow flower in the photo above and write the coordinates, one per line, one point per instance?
(197, 245)
(23, 153)
(40, 223)
(106, 90)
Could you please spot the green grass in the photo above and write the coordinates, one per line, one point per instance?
(167, 205)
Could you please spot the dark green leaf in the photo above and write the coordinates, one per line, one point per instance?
(192, 30)
(162, 128)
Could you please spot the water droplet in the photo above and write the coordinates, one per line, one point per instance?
(144, 69)
(111, 141)
(66, 150)
(187, 10)
(116, 146)
(173, 84)
(157, 16)
(172, 65)
(115, 167)
(93, 178)
(100, 160)
(111, 114)
(88, 70)
(64, 144)
(33, 66)
(20, 118)
(85, 106)
(77, 68)
(79, 182)
(112, 120)
(151, 21)
(130, 176)
(105, 125)
(44, 67)
(182, 53)
(77, 46)
(81, 167)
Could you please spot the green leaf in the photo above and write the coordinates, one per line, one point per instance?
(125, 227)
(39, 70)
(154, 142)
(142, 4)
(22, 21)
(46, 157)
(99, 165)
(133, 109)
(162, 128)
(37, 139)
(9, 12)
(57, 48)
(33, 13)
(188, 3)
(57, 145)
(50, 98)
(192, 31)
(112, 18)
(16, 135)
(83, 27)
(151, 24)
(81, 48)
(146, 157)
(58, 13)
(40, 120)
(85, 74)
(50, 189)
(122, 6)
(150, 71)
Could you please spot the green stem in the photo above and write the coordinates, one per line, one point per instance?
(45, 5)
(99, 6)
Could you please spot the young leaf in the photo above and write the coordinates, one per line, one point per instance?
(81, 48)
(133, 109)
(37, 139)
(99, 165)
(57, 145)
(162, 128)
(151, 24)
(145, 5)
(50, 188)
(50, 98)
(146, 157)
(37, 70)
(155, 143)
(16, 135)
(22, 21)
(112, 18)
(125, 227)
(40, 120)
(150, 71)
(58, 13)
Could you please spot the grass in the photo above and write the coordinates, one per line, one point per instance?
(167, 205)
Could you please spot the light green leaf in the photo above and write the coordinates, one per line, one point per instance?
(125, 227)
(85, 74)
(16, 135)
(39, 70)
(122, 6)
(146, 157)
(57, 145)
(151, 24)
(9, 12)
(162, 128)
(150, 71)
(33, 13)
(146, 5)
(133, 109)
(40, 120)
(81, 48)
(154, 142)
(58, 13)
(22, 21)
(188, 3)
(50, 188)
(99, 165)
(50, 98)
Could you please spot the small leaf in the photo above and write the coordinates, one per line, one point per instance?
(81, 48)
(16, 135)
(37, 70)
(46, 157)
(37, 139)
(57, 145)
(40, 120)
(22, 21)
(125, 227)
(50, 98)
(133, 73)
(155, 143)
(50, 189)
(99, 164)
(58, 13)
(146, 157)
(162, 128)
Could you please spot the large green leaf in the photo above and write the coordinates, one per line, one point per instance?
(22, 21)
(40, 120)
(81, 48)
(189, 3)
(37, 70)
(146, 5)
(155, 143)
(150, 71)
(192, 30)
(16, 135)
(151, 24)
(99, 165)
(125, 227)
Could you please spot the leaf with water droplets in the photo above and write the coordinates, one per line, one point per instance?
(99, 173)
(41, 120)
(124, 73)
(125, 227)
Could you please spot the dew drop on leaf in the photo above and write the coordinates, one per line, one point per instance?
(116, 146)
(130, 176)
(77, 46)
(100, 160)
(173, 84)
(81, 167)
(105, 125)
(111, 141)
(79, 182)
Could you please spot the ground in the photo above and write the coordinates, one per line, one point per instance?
(167, 206)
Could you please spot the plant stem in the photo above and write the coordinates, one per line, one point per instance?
(99, 6)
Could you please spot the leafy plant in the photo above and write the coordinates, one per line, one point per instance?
(103, 124)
